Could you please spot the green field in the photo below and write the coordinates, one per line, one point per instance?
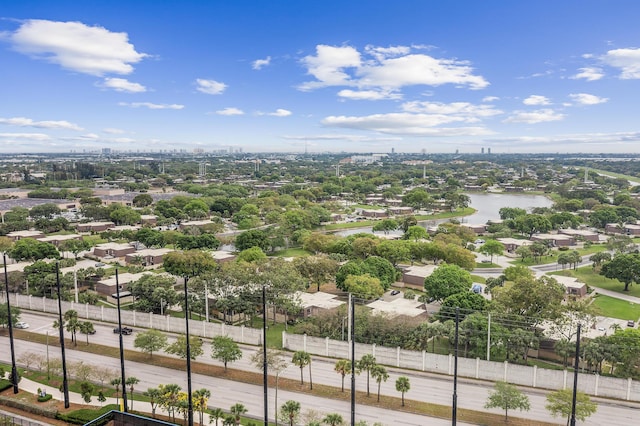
(616, 308)
(587, 275)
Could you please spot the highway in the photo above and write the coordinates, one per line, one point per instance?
(472, 394)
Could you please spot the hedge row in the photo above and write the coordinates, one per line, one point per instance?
(5, 384)
(85, 415)
(49, 412)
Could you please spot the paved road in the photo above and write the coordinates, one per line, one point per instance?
(428, 387)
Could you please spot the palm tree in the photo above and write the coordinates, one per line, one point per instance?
(302, 359)
(343, 367)
(237, 410)
(380, 374)
(333, 419)
(116, 383)
(131, 382)
(200, 399)
(216, 414)
(366, 363)
(291, 410)
(154, 396)
(403, 386)
(170, 398)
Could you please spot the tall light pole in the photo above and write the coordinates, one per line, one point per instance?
(14, 370)
(265, 374)
(48, 369)
(575, 378)
(65, 383)
(352, 334)
(123, 378)
(454, 405)
(186, 320)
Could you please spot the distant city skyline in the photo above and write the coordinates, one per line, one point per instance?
(312, 77)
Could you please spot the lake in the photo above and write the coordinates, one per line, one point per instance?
(487, 206)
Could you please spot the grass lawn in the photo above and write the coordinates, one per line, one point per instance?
(481, 265)
(478, 279)
(292, 252)
(587, 275)
(616, 308)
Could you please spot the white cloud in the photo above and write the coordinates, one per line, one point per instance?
(369, 95)
(405, 124)
(465, 110)
(532, 117)
(589, 74)
(579, 139)
(587, 99)
(123, 85)
(151, 105)
(490, 99)
(27, 136)
(258, 64)
(280, 113)
(385, 68)
(76, 46)
(343, 137)
(230, 111)
(627, 60)
(113, 131)
(210, 87)
(536, 100)
(27, 122)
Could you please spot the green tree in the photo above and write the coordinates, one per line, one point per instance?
(4, 315)
(200, 400)
(150, 341)
(154, 396)
(189, 263)
(379, 374)
(74, 246)
(237, 410)
(624, 268)
(333, 419)
(87, 328)
(535, 300)
(225, 350)
(363, 286)
(252, 238)
(560, 404)
(416, 233)
(124, 216)
(170, 398)
(252, 254)
(492, 248)
(317, 269)
(131, 382)
(142, 200)
(179, 347)
(71, 323)
(301, 359)
(447, 280)
(418, 198)
(342, 367)
(403, 386)
(152, 292)
(507, 397)
(385, 225)
(116, 384)
(216, 414)
(30, 249)
(366, 363)
(290, 411)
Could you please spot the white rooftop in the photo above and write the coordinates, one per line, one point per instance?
(319, 300)
(396, 307)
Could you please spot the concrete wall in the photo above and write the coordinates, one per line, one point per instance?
(592, 384)
(169, 324)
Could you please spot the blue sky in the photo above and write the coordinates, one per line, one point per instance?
(355, 76)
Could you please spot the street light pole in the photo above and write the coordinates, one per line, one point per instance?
(186, 319)
(352, 334)
(265, 374)
(48, 369)
(14, 370)
(123, 377)
(65, 384)
(575, 378)
(454, 405)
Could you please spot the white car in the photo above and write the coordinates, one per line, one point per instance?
(22, 325)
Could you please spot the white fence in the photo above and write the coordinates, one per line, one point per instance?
(592, 384)
(240, 334)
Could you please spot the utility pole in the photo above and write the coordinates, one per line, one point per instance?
(65, 383)
(265, 374)
(186, 320)
(14, 370)
(454, 405)
(576, 365)
(123, 377)
(353, 359)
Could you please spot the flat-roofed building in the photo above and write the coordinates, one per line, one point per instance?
(18, 235)
(557, 240)
(585, 234)
(57, 239)
(572, 285)
(415, 275)
(398, 307)
(113, 249)
(107, 286)
(94, 226)
(512, 244)
(149, 257)
(312, 303)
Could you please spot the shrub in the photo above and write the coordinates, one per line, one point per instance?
(85, 415)
(45, 398)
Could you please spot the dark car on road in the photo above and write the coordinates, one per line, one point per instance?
(125, 330)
